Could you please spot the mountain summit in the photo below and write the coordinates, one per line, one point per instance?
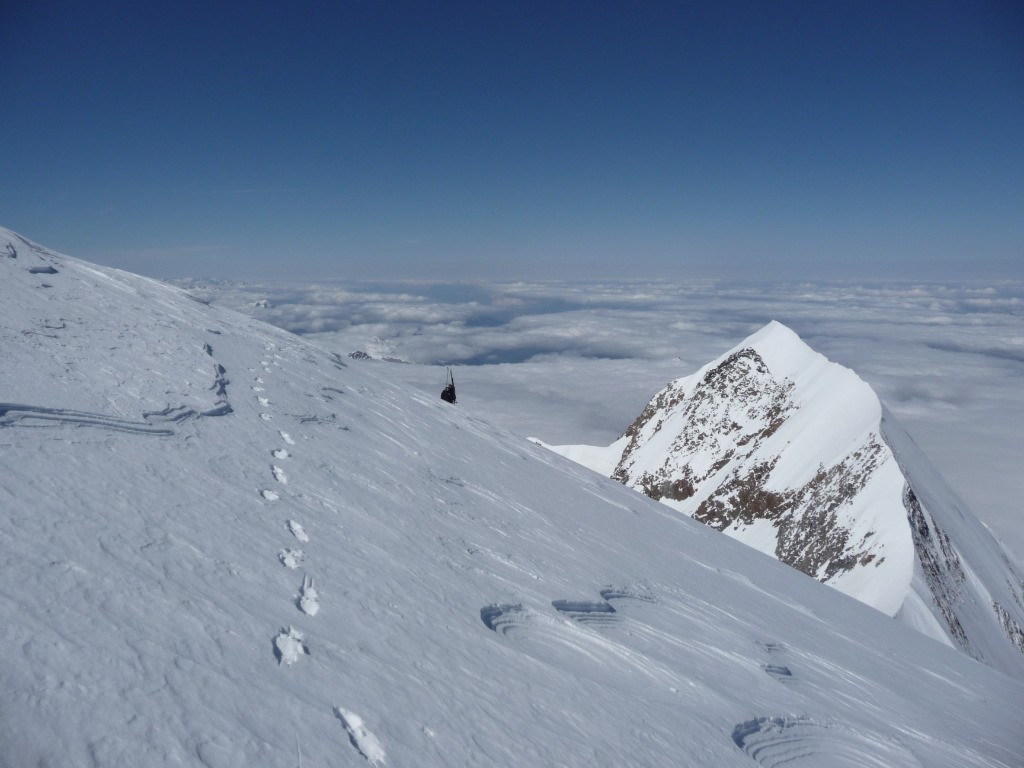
(795, 455)
(221, 546)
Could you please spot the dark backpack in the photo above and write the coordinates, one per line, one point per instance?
(448, 393)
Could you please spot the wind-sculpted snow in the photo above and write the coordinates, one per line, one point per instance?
(597, 614)
(464, 597)
(91, 366)
(802, 742)
(785, 451)
(13, 414)
(574, 644)
(776, 661)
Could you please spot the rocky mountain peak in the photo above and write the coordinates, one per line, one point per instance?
(778, 447)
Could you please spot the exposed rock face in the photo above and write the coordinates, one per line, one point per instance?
(739, 388)
(941, 566)
(962, 577)
(811, 535)
(709, 445)
(784, 450)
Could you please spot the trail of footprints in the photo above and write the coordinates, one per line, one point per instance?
(290, 643)
(768, 741)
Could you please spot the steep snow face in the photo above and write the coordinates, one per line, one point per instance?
(223, 547)
(784, 450)
(960, 572)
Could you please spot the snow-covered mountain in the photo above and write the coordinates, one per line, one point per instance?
(795, 455)
(221, 546)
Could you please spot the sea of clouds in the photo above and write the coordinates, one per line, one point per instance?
(575, 362)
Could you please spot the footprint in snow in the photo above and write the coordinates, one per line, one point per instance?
(263, 401)
(287, 438)
(269, 495)
(257, 389)
(279, 474)
(266, 416)
(281, 453)
(289, 646)
(290, 558)
(309, 601)
(298, 531)
(360, 736)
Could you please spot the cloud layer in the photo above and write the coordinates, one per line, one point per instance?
(576, 362)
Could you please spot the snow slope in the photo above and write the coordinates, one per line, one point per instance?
(790, 453)
(220, 546)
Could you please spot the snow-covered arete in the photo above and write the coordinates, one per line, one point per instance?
(478, 601)
(788, 452)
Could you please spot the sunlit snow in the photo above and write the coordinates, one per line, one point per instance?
(480, 601)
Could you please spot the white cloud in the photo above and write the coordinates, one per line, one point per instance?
(576, 362)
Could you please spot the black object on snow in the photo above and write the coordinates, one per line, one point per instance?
(448, 393)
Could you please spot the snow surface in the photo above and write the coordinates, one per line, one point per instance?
(601, 459)
(481, 601)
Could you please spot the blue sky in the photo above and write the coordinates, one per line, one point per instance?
(517, 140)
